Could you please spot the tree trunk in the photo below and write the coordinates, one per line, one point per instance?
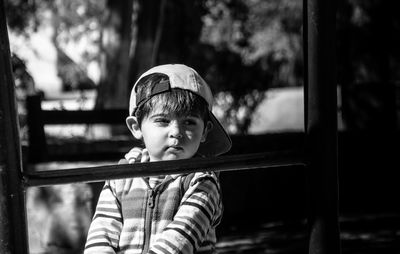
(116, 46)
(147, 23)
(167, 32)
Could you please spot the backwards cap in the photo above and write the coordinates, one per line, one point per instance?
(184, 77)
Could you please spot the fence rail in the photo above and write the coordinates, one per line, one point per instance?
(223, 163)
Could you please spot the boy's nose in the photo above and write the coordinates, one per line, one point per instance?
(176, 130)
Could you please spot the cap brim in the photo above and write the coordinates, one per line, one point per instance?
(217, 142)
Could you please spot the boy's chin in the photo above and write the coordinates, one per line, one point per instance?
(176, 156)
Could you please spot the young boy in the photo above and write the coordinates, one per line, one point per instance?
(170, 110)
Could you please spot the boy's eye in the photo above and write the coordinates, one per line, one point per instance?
(161, 120)
(191, 121)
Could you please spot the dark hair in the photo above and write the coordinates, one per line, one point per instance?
(179, 101)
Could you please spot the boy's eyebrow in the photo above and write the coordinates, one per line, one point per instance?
(194, 115)
(159, 114)
(170, 114)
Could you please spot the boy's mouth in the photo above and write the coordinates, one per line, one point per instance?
(175, 148)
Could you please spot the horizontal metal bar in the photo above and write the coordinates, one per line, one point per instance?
(222, 163)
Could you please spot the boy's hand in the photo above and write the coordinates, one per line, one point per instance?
(137, 154)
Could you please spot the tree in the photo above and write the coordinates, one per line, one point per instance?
(241, 47)
(167, 33)
(248, 47)
(116, 50)
(70, 21)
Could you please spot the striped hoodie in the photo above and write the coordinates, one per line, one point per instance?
(178, 215)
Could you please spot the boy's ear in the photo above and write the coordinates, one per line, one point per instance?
(134, 127)
(207, 129)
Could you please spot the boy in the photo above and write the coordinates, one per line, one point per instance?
(170, 110)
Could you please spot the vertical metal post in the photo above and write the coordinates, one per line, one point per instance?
(13, 231)
(321, 125)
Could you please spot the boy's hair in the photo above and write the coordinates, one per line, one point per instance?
(178, 101)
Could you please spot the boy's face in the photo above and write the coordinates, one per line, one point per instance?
(171, 137)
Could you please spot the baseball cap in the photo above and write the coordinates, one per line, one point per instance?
(184, 77)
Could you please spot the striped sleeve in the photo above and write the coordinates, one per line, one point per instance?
(199, 212)
(106, 226)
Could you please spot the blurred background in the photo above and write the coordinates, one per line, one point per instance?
(86, 54)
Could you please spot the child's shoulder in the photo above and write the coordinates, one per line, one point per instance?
(203, 176)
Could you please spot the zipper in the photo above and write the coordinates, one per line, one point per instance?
(148, 219)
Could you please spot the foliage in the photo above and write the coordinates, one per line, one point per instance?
(21, 15)
(75, 22)
(247, 47)
(24, 86)
(243, 48)
(267, 33)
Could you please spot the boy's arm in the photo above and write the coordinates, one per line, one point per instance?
(200, 211)
(106, 226)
